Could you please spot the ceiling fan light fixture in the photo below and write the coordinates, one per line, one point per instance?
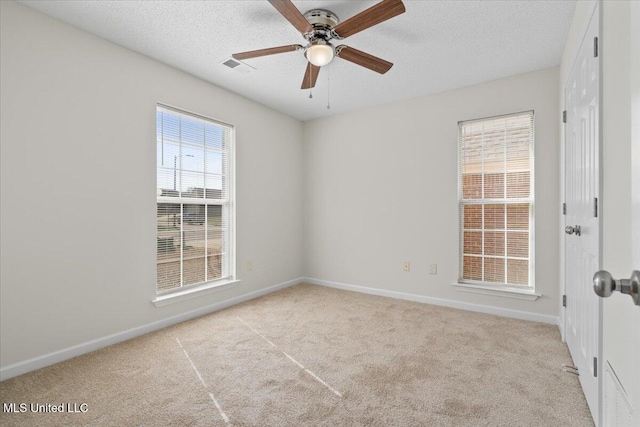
(320, 53)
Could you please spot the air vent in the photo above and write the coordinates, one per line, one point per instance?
(231, 63)
(239, 66)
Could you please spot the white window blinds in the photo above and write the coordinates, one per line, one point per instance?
(496, 200)
(194, 240)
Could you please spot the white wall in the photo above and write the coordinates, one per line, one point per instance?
(381, 188)
(77, 171)
(78, 186)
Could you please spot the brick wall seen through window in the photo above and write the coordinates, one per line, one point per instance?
(496, 200)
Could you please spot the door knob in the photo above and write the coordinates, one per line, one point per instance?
(572, 229)
(604, 285)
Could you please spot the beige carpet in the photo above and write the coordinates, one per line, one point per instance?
(312, 356)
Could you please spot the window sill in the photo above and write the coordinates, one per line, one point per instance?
(194, 292)
(498, 291)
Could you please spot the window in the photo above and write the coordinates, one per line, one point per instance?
(195, 206)
(496, 201)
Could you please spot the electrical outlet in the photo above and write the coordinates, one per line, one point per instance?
(249, 266)
(405, 266)
(433, 269)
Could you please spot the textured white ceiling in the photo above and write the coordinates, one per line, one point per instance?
(435, 45)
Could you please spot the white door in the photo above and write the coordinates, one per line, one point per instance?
(635, 198)
(621, 317)
(582, 238)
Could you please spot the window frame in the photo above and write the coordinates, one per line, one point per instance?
(228, 273)
(487, 287)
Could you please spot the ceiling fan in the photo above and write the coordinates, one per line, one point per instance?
(320, 26)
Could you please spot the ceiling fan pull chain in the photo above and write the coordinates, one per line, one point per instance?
(328, 98)
(310, 86)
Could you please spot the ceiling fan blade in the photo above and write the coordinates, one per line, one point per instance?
(363, 59)
(293, 15)
(376, 14)
(310, 76)
(265, 52)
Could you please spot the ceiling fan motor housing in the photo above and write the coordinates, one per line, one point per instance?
(323, 21)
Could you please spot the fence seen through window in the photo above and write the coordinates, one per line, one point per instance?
(193, 209)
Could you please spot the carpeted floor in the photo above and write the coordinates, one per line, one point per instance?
(315, 356)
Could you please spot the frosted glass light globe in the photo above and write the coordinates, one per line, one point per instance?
(319, 54)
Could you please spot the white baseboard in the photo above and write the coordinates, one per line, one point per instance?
(560, 325)
(29, 365)
(504, 312)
